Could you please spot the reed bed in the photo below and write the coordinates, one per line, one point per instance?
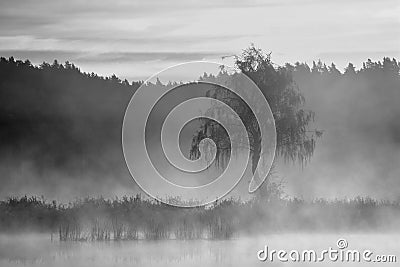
(137, 218)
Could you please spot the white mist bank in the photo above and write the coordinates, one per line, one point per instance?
(39, 250)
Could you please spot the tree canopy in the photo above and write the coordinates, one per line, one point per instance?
(295, 140)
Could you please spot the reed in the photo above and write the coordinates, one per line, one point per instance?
(134, 218)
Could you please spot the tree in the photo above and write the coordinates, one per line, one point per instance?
(390, 66)
(333, 70)
(295, 141)
(319, 67)
(350, 70)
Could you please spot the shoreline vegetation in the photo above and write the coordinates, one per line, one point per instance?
(140, 218)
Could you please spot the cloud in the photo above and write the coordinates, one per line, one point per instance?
(41, 55)
(292, 30)
(146, 56)
(50, 55)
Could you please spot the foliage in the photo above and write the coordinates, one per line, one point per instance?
(295, 141)
(132, 218)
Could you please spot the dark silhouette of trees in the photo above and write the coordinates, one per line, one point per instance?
(295, 141)
(370, 70)
(350, 70)
(281, 86)
(60, 118)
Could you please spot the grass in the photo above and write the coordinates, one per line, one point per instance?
(134, 218)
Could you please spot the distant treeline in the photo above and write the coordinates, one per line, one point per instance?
(63, 126)
(60, 119)
(132, 218)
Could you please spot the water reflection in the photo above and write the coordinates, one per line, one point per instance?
(39, 250)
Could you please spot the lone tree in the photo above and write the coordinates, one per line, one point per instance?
(295, 140)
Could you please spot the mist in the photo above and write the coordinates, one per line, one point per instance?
(359, 152)
(62, 133)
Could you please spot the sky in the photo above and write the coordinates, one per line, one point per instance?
(134, 39)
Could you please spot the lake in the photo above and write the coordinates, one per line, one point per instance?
(40, 250)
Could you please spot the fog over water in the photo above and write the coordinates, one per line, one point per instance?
(38, 250)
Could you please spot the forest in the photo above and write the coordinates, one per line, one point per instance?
(57, 117)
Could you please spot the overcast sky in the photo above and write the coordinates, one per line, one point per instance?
(133, 39)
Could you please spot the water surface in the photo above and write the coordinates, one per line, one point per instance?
(40, 250)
